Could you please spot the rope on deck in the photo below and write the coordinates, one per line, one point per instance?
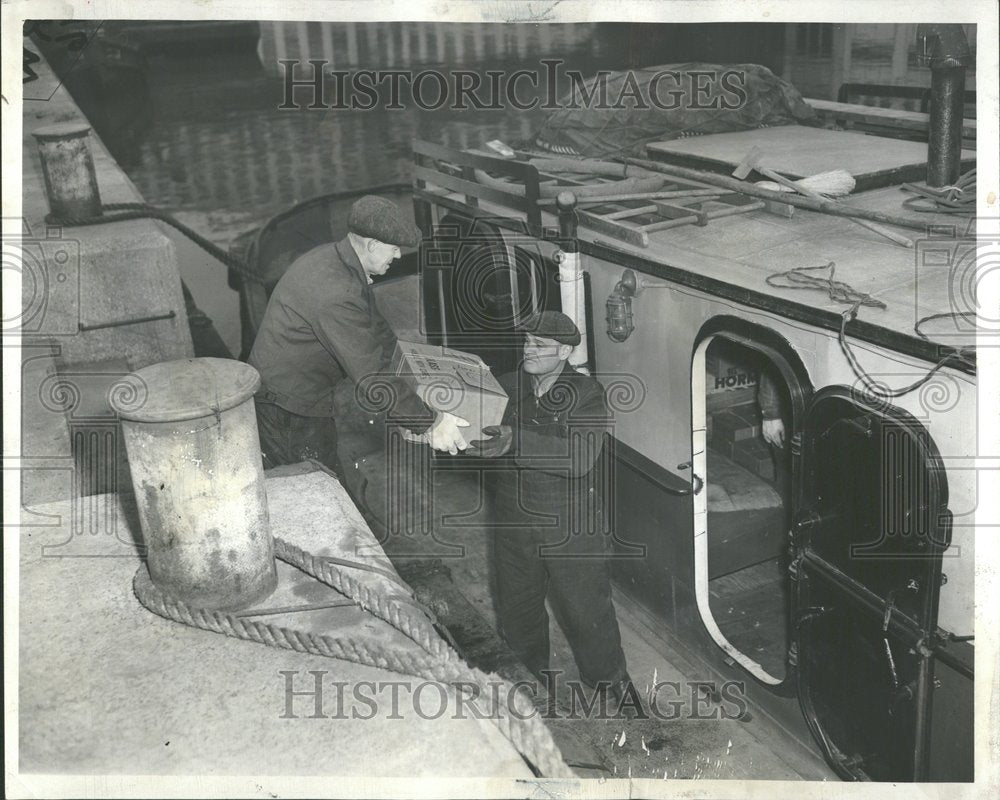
(841, 292)
(506, 706)
(959, 198)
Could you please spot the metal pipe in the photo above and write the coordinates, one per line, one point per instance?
(945, 50)
(571, 286)
(944, 143)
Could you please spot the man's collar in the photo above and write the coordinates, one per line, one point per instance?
(347, 254)
(527, 387)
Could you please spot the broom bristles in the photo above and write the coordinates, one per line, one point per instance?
(835, 183)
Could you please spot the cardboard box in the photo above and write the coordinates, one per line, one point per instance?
(754, 455)
(453, 381)
(729, 380)
(735, 424)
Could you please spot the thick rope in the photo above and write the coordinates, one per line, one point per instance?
(509, 709)
(959, 198)
(386, 607)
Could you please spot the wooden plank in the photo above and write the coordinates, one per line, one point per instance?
(675, 211)
(515, 169)
(703, 195)
(742, 209)
(665, 224)
(886, 117)
(468, 187)
(797, 151)
(625, 213)
(627, 233)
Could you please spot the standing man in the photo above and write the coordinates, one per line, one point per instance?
(551, 538)
(321, 327)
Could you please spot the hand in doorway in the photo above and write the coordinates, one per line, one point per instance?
(773, 431)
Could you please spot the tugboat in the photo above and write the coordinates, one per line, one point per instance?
(833, 570)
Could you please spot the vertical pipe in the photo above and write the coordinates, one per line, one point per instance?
(422, 41)
(326, 32)
(789, 52)
(440, 38)
(352, 44)
(944, 145)
(571, 287)
(304, 51)
(280, 50)
(945, 49)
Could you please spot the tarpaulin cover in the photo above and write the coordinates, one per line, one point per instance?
(685, 100)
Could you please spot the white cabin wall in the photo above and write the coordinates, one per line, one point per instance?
(659, 351)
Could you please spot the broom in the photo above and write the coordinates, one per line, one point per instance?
(835, 183)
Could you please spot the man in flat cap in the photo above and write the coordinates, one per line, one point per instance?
(322, 327)
(551, 538)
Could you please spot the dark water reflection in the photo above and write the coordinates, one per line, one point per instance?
(217, 139)
(203, 131)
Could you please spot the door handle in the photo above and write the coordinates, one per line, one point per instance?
(697, 484)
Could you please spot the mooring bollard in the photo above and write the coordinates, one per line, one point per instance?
(194, 452)
(68, 168)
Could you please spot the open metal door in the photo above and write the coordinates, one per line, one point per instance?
(480, 283)
(871, 525)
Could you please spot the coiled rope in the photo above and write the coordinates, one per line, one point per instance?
(508, 708)
(841, 292)
(957, 199)
(807, 278)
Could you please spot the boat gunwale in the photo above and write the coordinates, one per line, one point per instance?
(872, 333)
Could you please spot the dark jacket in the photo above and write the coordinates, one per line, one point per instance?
(558, 438)
(322, 326)
(768, 397)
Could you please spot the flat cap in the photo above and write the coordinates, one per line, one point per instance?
(552, 325)
(377, 218)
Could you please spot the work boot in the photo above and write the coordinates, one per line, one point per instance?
(625, 700)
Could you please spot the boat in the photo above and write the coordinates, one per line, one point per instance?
(835, 577)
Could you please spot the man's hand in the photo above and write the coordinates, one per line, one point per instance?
(773, 431)
(444, 434)
(496, 445)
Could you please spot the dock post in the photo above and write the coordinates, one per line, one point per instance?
(68, 169)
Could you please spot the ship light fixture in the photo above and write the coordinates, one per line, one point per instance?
(619, 305)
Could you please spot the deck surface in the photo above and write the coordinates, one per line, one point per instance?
(745, 250)
(935, 276)
(798, 151)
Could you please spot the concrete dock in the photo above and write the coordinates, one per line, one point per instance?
(108, 687)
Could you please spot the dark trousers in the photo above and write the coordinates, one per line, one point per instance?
(533, 561)
(287, 438)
